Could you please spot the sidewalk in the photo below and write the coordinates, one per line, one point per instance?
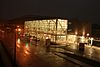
(51, 58)
(83, 53)
(66, 52)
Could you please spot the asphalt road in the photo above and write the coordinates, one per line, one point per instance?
(32, 55)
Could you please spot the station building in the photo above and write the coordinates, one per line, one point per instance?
(57, 29)
(52, 28)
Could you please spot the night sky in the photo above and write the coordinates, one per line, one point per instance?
(81, 9)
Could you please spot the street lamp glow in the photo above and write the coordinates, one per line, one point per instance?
(47, 37)
(88, 34)
(82, 39)
(19, 29)
(17, 26)
(76, 33)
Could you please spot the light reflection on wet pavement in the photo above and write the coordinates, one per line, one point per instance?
(36, 56)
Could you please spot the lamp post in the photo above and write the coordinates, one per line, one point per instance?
(17, 33)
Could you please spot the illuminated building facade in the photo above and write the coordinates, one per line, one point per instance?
(54, 29)
(59, 30)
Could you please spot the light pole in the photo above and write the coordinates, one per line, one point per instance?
(17, 34)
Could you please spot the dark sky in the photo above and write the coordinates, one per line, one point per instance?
(82, 9)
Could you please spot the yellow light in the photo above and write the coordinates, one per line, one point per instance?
(47, 37)
(82, 39)
(91, 38)
(83, 32)
(71, 38)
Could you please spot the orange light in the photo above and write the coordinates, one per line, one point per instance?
(19, 29)
(3, 31)
(26, 52)
(17, 26)
(18, 45)
(76, 33)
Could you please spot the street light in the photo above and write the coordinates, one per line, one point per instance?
(18, 30)
(87, 34)
(76, 32)
(17, 26)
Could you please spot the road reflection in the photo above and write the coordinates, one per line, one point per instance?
(28, 54)
(93, 52)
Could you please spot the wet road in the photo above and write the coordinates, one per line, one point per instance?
(29, 55)
(92, 52)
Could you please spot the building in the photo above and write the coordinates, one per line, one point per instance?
(57, 29)
(54, 28)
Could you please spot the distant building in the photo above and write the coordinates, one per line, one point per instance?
(81, 28)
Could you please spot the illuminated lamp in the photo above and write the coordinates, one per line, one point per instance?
(19, 29)
(17, 26)
(87, 34)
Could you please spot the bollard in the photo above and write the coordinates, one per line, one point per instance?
(47, 45)
(81, 47)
